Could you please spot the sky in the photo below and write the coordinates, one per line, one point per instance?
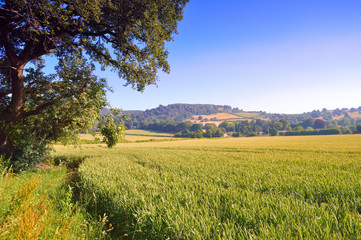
(278, 56)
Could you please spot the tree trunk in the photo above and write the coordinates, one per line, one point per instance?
(14, 110)
(18, 91)
(7, 149)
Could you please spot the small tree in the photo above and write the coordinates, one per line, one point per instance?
(112, 127)
(285, 123)
(298, 128)
(273, 131)
(197, 128)
(319, 124)
(358, 128)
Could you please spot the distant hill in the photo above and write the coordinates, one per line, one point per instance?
(177, 112)
(205, 113)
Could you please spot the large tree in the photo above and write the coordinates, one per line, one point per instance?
(128, 36)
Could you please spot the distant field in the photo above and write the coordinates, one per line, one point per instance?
(338, 117)
(225, 117)
(133, 135)
(232, 188)
(355, 114)
(247, 114)
(219, 116)
(139, 135)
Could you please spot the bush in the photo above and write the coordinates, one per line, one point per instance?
(251, 134)
(31, 141)
(273, 131)
(358, 128)
(236, 134)
(112, 127)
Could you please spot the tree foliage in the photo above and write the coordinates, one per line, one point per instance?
(112, 127)
(176, 112)
(127, 36)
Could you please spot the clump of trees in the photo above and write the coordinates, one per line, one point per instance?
(331, 131)
(175, 112)
(185, 129)
(275, 127)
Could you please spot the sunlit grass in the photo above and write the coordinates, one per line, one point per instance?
(38, 204)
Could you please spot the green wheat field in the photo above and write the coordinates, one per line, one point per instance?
(305, 187)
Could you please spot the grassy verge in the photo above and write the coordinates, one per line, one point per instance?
(40, 204)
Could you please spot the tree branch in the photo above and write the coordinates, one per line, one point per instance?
(9, 48)
(3, 94)
(43, 106)
(43, 83)
(37, 110)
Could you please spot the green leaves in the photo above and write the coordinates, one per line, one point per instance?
(112, 127)
(76, 97)
(127, 36)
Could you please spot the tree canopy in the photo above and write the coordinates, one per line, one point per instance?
(127, 36)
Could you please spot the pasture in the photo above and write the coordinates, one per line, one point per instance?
(305, 187)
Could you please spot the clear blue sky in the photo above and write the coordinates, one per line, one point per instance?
(272, 55)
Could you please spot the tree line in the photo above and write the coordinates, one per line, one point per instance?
(282, 127)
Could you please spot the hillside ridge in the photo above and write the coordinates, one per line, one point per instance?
(197, 113)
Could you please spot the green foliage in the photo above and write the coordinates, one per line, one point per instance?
(273, 131)
(4, 165)
(358, 128)
(180, 112)
(330, 131)
(127, 37)
(174, 112)
(77, 110)
(319, 124)
(112, 127)
(188, 134)
(298, 128)
(197, 128)
(344, 121)
(236, 134)
(285, 123)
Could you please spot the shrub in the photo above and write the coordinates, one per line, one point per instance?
(112, 127)
(236, 134)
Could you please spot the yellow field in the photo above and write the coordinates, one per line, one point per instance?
(133, 135)
(225, 117)
(304, 187)
(142, 135)
(355, 115)
(247, 114)
(219, 116)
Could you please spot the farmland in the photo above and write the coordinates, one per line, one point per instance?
(131, 135)
(231, 188)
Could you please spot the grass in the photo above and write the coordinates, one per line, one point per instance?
(246, 114)
(38, 204)
(305, 187)
(143, 135)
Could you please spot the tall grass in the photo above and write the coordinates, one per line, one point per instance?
(39, 204)
(267, 188)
